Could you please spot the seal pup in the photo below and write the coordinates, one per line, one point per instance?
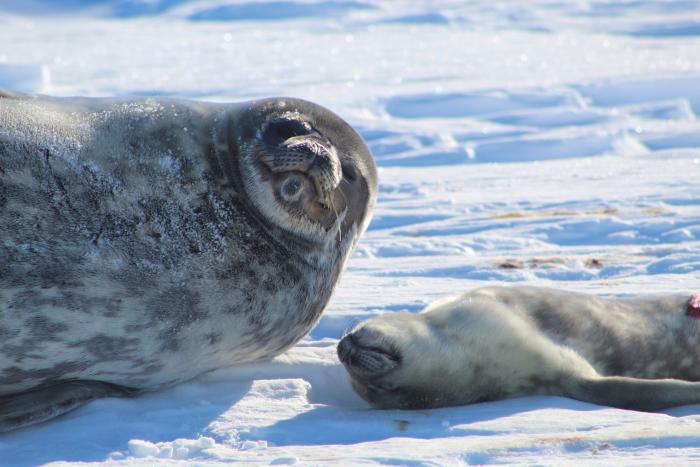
(144, 242)
(640, 353)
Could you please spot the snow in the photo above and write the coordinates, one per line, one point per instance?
(538, 142)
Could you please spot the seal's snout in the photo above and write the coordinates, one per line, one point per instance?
(366, 359)
(345, 348)
(318, 159)
(280, 130)
(292, 145)
(305, 170)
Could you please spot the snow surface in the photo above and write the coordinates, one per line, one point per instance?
(542, 142)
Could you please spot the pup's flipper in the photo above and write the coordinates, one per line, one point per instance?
(634, 393)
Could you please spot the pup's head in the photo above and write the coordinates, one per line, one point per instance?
(402, 360)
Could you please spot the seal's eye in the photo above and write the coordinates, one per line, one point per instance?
(349, 172)
(291, 187)
(278, 131)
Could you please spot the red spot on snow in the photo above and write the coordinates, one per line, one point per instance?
(694, 306)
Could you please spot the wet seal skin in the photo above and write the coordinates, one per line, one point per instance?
(147, 241)
(640, 353)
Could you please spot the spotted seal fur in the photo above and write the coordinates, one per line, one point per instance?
(147, 241)
(639, 353)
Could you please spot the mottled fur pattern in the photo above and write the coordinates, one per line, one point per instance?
(134, 250)
(492, 343)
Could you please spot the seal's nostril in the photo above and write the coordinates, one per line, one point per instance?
(278, 131)
(344, 348)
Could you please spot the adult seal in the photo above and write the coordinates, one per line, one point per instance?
(144, 242)
(640, 353)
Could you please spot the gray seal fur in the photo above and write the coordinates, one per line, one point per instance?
(640, 353)
(144, 242)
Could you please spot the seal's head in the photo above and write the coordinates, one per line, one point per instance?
(305, 169)
(399, 361)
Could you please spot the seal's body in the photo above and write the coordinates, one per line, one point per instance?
(641, 353)
(144, 242)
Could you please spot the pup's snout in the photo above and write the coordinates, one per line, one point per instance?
(345, 348)
(364, 360)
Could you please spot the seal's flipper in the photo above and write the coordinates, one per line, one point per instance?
(635, 393)
(46, 402)
(5, 94)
